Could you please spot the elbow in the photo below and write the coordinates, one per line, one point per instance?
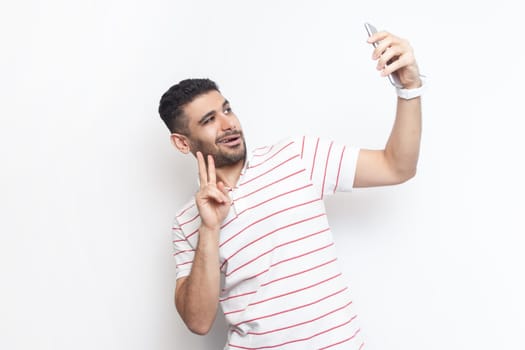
(199, 324)
(401, 175)
(197, 321)
(400, 168)
(199, 328)
(406, 175)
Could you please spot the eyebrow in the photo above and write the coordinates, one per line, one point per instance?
(212, 113)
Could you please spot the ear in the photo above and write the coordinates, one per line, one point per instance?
(180, 142)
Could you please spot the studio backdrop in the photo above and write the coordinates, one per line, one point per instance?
(90, 182)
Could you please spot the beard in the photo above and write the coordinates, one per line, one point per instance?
(222, 157)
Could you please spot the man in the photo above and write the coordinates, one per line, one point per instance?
(258, 219)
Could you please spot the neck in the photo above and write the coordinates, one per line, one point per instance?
(230, 174)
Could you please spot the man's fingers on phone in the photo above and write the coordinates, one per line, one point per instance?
(377, 36)
(400, 62)
(391, 55)
(383, 47)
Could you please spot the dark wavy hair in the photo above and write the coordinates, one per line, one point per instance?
(176, 97)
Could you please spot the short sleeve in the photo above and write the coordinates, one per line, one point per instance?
(183, 251)
(331, 166)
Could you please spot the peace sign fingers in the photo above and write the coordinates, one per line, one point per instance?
(212, 177)
(203, 172)
(210, 190)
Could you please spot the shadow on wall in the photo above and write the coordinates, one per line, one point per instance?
(216, 339)
(184, 339)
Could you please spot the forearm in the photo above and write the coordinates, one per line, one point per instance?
(402, 148)
(197, 298)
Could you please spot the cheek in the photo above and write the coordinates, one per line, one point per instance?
(203, 134)
(210, 135)
(205, 137)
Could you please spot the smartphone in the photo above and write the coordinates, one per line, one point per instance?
(394, 79)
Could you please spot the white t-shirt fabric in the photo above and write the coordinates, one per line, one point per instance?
(282, 283)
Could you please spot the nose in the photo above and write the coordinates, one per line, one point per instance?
(227, 122)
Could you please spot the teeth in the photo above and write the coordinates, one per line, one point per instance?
(228, 140)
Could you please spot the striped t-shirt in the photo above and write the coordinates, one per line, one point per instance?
(282, 284)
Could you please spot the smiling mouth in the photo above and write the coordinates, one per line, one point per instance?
(230, 139)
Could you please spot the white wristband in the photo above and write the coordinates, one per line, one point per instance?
(408, 94)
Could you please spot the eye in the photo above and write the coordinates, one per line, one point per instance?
(227, 110)
(208, 120)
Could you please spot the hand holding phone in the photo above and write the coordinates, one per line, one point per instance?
(394, 79)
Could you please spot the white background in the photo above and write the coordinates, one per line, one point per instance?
(90, 182)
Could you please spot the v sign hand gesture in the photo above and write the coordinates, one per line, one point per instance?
(197, 295)
(212, 198)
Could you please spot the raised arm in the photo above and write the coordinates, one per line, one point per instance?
(197, 295)
(397, 162)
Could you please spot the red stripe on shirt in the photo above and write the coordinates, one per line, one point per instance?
(184, 251)
(345, 340)
(270, 184)
(303, 339)
(237, 296)
(285, 294)
(286, 260)
(297, 290)
(339, 168)
(185, 210)
(294, 308)
(268, 216)
(270, 157)
(280, 278)
(269, 170)
(187, 222)
(191, 234)
(304, 254)
(224, 290)
(268, 150)
(315, 156)
(299, 273)
(305, 322)
(272, 232)
(326, 168)
(184, 263)
(274, 248)
(263, 202)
